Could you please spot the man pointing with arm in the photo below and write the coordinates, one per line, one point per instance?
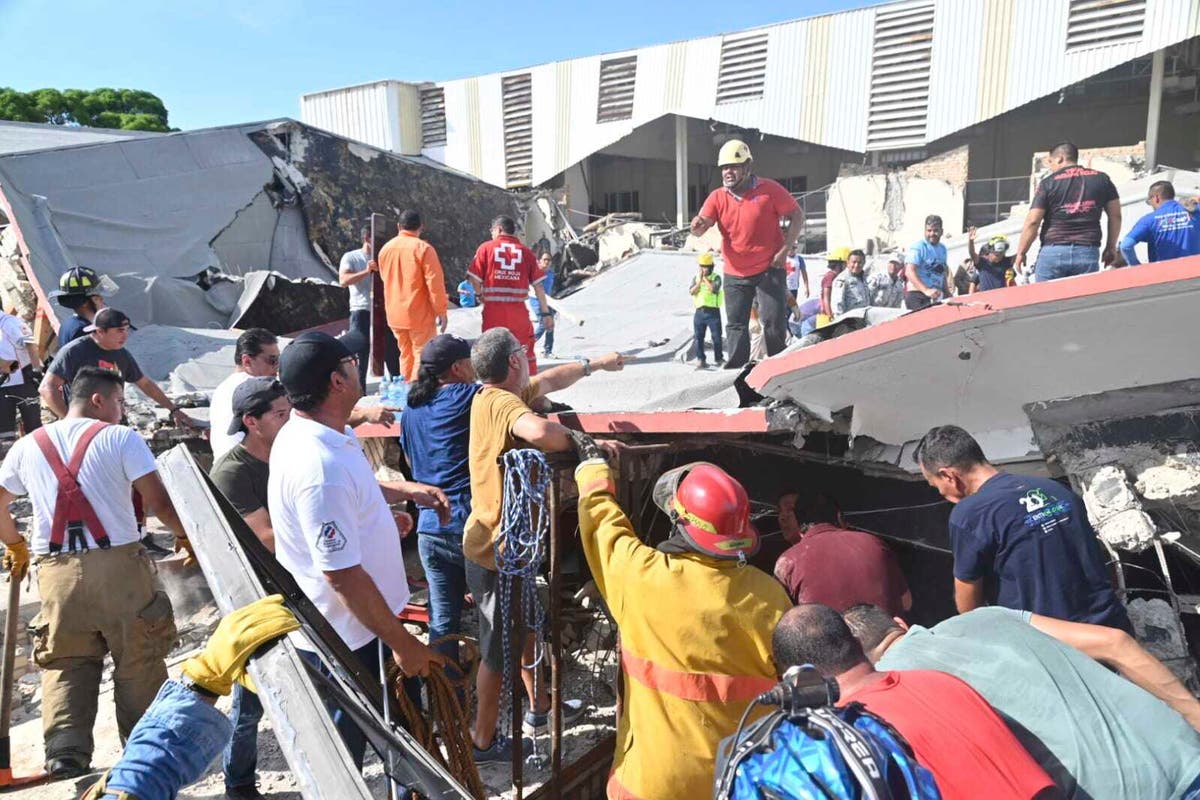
(748, 210)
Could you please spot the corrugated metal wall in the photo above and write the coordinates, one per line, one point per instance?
(989, 56)
(356, 112)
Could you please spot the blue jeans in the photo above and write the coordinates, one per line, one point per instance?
(707, 319)
(1064, 260)
(368, 655)
(540, 328)
(241, 755)
(442, 558)
(171, 746)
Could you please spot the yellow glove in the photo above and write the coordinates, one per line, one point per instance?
(183, 543)
(16, 559)
(237, 636)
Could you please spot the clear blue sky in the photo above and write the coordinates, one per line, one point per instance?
(216, 62)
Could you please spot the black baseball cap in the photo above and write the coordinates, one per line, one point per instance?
(442, 351)
(253, 396)
(306, 363)
(109, 318)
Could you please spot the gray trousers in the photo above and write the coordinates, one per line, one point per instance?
(770, 289)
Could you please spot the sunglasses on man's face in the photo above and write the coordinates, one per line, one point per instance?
(272, 360)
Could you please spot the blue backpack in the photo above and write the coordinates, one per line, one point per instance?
(822, 753)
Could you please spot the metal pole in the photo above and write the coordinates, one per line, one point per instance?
(393, 789)
(1158, 67)
(517, 654)
(681, 171)
(556, 655)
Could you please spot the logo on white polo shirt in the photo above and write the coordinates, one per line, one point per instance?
(331, 538)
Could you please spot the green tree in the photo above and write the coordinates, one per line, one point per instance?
(127, 109)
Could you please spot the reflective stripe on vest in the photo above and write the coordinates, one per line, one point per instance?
(615, 790)
(705, 687)
(71, 506)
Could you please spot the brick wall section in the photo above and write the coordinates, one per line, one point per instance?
(950, 166)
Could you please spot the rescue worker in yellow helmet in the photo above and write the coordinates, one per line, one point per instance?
(695, 622)
(836, 261)
(707, 298)
(749, 211)
(82, 290)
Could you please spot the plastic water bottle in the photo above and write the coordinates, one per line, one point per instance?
(384, 389)
(399, 393)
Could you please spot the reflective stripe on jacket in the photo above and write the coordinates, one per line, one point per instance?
(695, 647)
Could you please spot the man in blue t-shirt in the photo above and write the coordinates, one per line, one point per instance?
(1030, 535)
(435, 436)
(1171, 230)
(925, 265)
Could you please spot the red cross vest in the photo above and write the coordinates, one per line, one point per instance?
(72, 510)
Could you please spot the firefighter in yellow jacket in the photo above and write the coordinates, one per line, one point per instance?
(695, 622)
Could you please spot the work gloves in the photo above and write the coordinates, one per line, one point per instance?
(585, 446)
(16, 559)
(237, 637)
(184, 544)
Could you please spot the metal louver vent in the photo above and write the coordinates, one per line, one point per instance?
(433, 117)
(1099, 23)
(617, 79)
(743, 67)
(901, 57)
(518, 129)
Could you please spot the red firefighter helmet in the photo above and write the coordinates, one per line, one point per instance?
(710, 509)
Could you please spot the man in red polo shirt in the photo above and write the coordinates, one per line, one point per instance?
(502, 272)
(748, 210)
(952, 730)
(814, 569)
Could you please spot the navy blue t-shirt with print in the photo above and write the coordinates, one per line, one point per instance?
(436, 438)
(1033, 536)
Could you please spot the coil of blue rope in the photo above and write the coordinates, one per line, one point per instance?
(520, 547)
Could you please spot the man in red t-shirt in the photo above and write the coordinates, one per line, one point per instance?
(748, 210)
(952, 730)
(829, 564)
(502, 272)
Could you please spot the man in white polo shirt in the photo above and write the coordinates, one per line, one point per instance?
(334, 531)
(256, 355)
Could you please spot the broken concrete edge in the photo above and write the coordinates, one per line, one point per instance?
(311, 744)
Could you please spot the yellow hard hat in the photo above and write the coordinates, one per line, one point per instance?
(705, 260)
(839, 254)
(735, 151)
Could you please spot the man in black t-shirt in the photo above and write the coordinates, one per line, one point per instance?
(260, 408)
(1067, 206)
(103, 347)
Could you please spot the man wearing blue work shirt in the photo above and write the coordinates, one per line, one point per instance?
(925, 264)
(435, 434)
(1171, 230)
(1030, 535)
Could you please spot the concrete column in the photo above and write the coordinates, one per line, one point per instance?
(1158, 66)
(681, 171)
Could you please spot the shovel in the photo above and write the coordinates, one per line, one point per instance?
(11, 618)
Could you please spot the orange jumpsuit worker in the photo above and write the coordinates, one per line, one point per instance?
(695, 620)
(502, 272)
(414, 291)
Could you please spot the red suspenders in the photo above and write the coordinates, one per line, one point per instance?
(71, 508)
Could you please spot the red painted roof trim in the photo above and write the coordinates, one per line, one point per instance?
(742, 420)
(988, 304)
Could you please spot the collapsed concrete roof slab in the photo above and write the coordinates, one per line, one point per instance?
(978, 362)
(155, 213)
(24, 137)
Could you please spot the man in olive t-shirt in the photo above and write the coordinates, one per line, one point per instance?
(260, 408)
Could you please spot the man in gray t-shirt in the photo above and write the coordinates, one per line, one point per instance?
(357, 273)
(1095, 732)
